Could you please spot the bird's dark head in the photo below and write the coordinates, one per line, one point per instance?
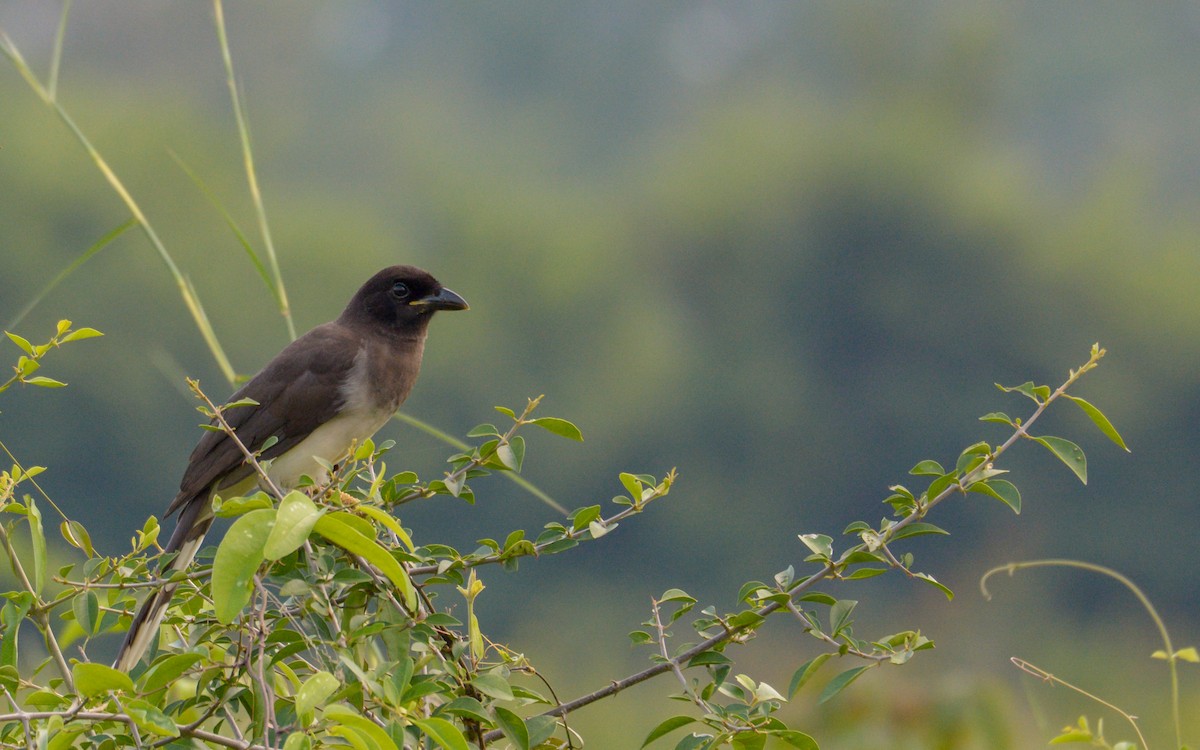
(401, 297)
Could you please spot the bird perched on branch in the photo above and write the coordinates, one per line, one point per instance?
(332, 387)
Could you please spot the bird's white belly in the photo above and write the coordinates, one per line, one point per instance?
(330, 442)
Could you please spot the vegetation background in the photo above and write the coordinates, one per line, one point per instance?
(786, 247)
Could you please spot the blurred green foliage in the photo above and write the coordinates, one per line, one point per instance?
(785, 247)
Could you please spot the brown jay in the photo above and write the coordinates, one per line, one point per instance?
(332, 387)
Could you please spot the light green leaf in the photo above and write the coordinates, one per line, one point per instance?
(559, 427)
(749, 741)
(44, 382)
(315, 691)
(1069, 453)
(493, 685)
(840, 683)
(297, 741)
(442, 732)
(1039, 393)
(293, 523)
(348, 717)
(338, 529)
(77, 536)
(151, 719)
(388, 520)
(237, 559)
(39, 546)
(81, 333)
(20, 341)
(1100, 421)
(94, 679)
(166, 670)
(820, 544)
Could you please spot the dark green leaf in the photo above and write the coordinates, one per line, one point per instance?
(493, 685)
(839, 615)
(917, 529)
(512, 726)
(795, 739)
(996, 416)
(933, 582)
(86, 606)
(840, 683)
(927, 468)
(1001, 489)
(1069, 453)
(1100, 420)
(805, 673)
(1039, 393)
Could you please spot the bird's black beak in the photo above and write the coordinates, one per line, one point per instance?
(442, 299)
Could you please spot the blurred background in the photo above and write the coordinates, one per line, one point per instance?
(785, 247)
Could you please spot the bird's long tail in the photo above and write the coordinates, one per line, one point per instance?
(194, 522)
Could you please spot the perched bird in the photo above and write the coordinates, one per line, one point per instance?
(335, 385)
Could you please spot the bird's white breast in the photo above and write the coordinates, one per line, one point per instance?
(359, 418)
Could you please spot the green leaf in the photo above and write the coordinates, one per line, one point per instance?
(39, 545)
(20, 341)
(493, 685)
(81, 333)
(666, 727)
(347, 717)
(11, 615)
(997, 416)
(1039, 393)
(44, 382)
(442, 732)
(236, 506)
(1100, 420)
(151, 719)
(166, 670)
(484, 430)
(86, 606)
(512, 726)
(805, 673)
(77, 536)
(918, 528)
(314, 692)
(337, 528)
(94, 679)
(795, 739)
(388, 520)
(820, 544)
(294, 521)
(1001, 489)
(839, 615)
(749, 741)
(297, 741)
(840, 683)
(559, 427)
(934, 582)
(237, 559)
(1069, 453)
(927, 468)
(467, 707)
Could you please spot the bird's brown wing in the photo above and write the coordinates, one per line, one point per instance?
(297, 392)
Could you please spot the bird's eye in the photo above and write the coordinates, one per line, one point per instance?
(400, 290)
